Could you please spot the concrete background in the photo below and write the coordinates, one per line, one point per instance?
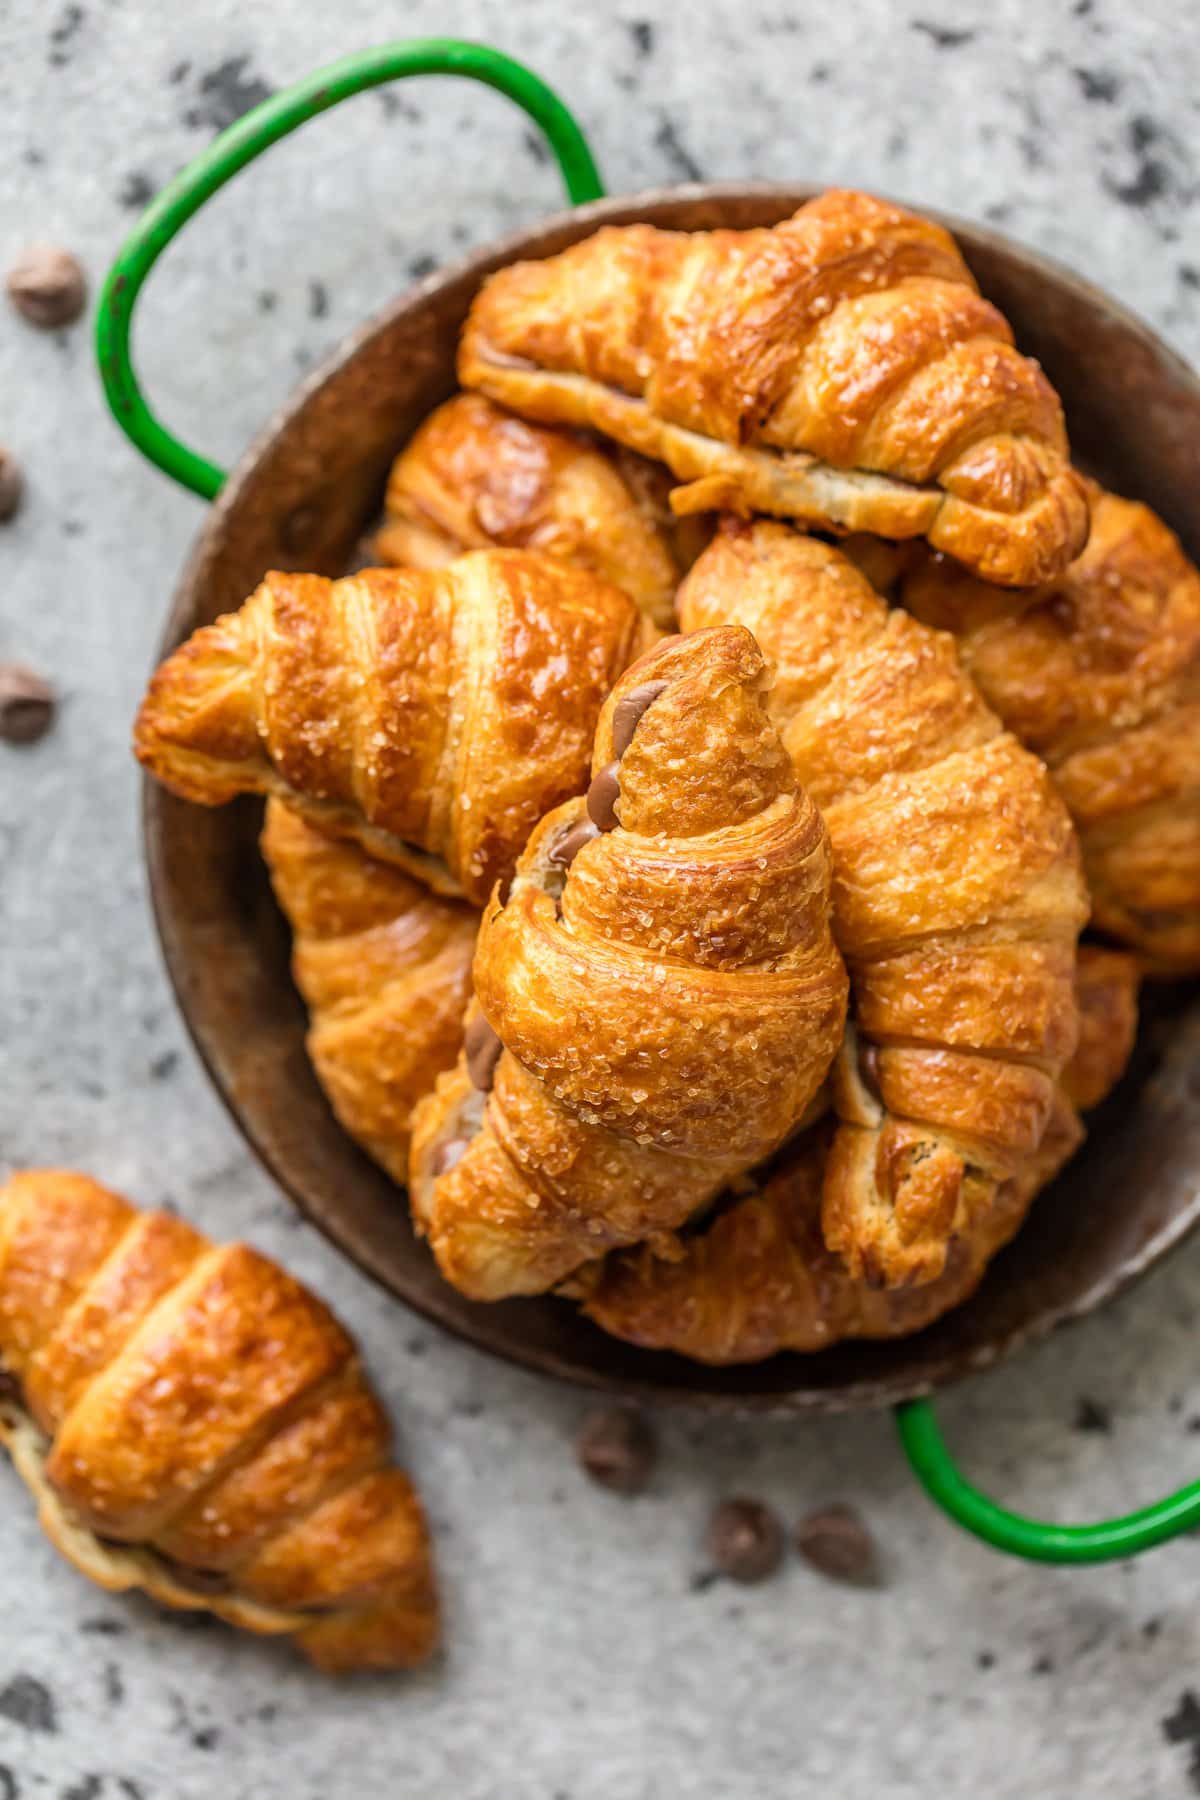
(584, 1663)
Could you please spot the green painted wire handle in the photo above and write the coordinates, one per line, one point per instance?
(253, 134)
(257, 131)
(1035, 1539)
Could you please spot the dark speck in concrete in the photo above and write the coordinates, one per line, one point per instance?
(395, 106)
(318, 299)
(136, 190)
(130, 1789)
(1151, 176)
(179, 72)
(90, 1788)
(534, 146)
(114, 1686)
(164, 1066)
(1191, 278)
(642, 33)
(1098, 84)
(62, 32)
(202, 1737)
(268, 300)
(416, 1346)
(1151, 1629)
(1092, 1415)
(8, 1784)
(225, 92)
(421, 266)
(73, 528)
(1183, 1727)
(702, 1580)
(104, 1628)
(682, 162)
(33, 157)
(946, 37)
(819, 72)
(986, 1659)
(28, 1702)
(1044, 1665)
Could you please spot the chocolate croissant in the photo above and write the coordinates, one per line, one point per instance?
(432, 716)
(957, 896)
(384, 967)
(659, 991)
(759, 1279)
(1100, 674)
(840, 368)
(194, 1423)
(474, 476)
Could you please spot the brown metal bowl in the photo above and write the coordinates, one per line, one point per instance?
(300, 499)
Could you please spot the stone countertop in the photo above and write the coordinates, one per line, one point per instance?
(588, 1658)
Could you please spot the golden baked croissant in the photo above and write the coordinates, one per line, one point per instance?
(661, 998)
(194, 1423)
(759, 1279)
(957, 897)
(474, 476)
(1100, 674)
(840, 368)
(434, 716)
(384, 967)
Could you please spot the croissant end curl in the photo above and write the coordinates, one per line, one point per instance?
(660, 995)
(839, 368)
(957, 897)
(194, 1423)
(433, 715)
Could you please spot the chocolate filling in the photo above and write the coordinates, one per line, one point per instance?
(448, 1154)
(482, 1048)
(10, 1388)
(868, 1068)
(628, 711)
(602, 798)
(565, 849)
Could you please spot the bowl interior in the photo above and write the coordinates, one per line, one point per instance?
(300, 499)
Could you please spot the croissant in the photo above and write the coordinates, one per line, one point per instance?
(759, 1279)
(957, 897)
(660, 998)
(474, 476)
(432, 716)
(1100, 674)
(840, 368)
(384, 967)
(194, 1423)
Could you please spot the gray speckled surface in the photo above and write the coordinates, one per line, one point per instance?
(582, 1661)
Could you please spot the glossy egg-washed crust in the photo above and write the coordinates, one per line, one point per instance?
(384, 967)
(760, 1279)
(668, 1008)
(1099, 672)
(840, 368)
(474, 476)
(432, 715)
(194, 1423)
(957, 894)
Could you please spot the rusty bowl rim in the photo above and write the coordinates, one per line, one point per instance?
(855, 1395)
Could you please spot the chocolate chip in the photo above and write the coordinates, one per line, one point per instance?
(745, 1539)
(482, 1048)
(627, 713)
(565, 849)
(12, 485)
(602, 798)
(26, 704)
(47, 286)
(837, 1543)
(616, 1448)
(448, 1154)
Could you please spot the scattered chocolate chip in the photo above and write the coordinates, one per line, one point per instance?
(47, 286)
(627, 713)
(26, 705)
(565, 849)
(837, 1543)
(482, 1048)
(12, 485)
(602, 798)
(451, 1152)
(745, 1539)
(616, 1448)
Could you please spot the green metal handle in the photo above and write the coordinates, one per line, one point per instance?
(253, 134)
(1035, 1539)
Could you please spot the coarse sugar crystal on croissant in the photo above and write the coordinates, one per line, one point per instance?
(475, 475)
(659, 994)
(759, 1279)
(384, 967)
(433, 716)
(195, 1424)
(839, 368)
(1099, 672)
(957, 897)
